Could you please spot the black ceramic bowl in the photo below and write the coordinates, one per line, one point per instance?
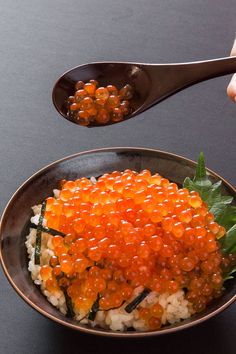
(15, 221)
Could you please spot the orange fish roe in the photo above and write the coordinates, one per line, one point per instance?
(99, 105)
(132, 229)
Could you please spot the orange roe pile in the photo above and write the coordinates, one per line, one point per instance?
(92, 103)
(132, 229)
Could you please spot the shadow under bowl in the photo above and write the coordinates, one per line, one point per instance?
(15, 223)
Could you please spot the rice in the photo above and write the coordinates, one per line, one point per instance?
(176, 307)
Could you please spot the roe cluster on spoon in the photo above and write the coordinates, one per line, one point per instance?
(92, 104)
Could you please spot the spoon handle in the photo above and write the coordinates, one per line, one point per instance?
(207, 69)
(168, 79)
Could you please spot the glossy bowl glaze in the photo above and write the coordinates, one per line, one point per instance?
(15, 223)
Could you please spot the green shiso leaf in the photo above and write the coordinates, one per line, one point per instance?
(218, 204)
(228, 243)
(229, 275)
(201, 169)
(226, 216)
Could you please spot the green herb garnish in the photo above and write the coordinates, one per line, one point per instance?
(229, 275)
(218, 204)
(228, 242)
(209, 192)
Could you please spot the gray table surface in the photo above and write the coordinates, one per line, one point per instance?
(41, 39)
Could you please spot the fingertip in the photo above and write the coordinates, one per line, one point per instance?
(233, 50)
(231, 92)
(231, 89)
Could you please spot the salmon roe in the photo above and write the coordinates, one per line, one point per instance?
(132, 229)
(94, 104)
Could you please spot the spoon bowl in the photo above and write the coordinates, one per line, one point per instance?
(105, 73)
(151, 82)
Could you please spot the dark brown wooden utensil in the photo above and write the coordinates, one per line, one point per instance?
(152, 82)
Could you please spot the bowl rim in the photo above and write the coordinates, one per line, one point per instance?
(95, 331)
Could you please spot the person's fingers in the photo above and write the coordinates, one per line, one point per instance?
(233, 51)
(231, 89)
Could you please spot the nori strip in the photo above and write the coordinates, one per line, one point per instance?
(48, 230)
(39, 234)
(114, 308)
(94, 309)
(70, 311)
(133, 304)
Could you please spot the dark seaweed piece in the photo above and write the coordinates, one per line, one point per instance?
(114, 308)
(48, 230)
(70, 311)
(83, 318)
(133, 304)
(94, 309)
(39, 234)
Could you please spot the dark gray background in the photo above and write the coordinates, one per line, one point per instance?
(41, 39)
